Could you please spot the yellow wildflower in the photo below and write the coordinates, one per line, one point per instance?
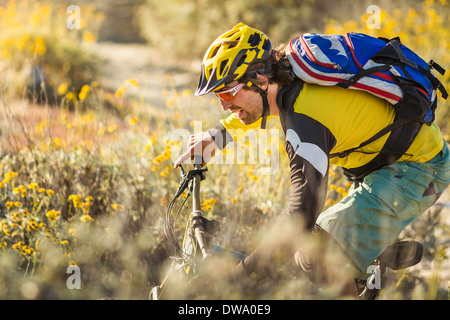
(112, 128)
(16, 217)
(170, 102)
(186, 92)
(209, 201)
(62, 89)
(117, 206)
(76, 199)
(206, 207)
(89, 37)
(340, 190)
(50, 192)
(71, 96)
(38, 47)
(27, 250)
(133, 121)
(133, 81)
(83, 92)
(10, 175)
(86, 206)
(86, 218)
(52, 215)
(32, 225)
(120, 91)
(33, 186)
(18, 245)
(166, 171)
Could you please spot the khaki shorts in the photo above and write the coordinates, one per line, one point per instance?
(372, 216)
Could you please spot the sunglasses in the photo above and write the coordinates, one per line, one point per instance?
(228, 94)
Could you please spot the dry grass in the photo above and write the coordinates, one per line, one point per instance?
(86, 180)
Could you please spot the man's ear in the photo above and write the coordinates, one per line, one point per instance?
(264, 79)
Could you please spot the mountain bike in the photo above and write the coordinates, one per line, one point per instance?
(197, 245)
(198, 234)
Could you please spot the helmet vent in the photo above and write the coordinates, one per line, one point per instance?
(231, 44)
(209, 71)
(214, 52)
(223, 67)
(241, 60)
(254, 39)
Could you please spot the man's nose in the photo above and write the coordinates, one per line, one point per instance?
(225, 104)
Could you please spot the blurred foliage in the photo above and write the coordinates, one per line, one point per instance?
(89, 187)
(186, 28)
(39, 52)
(120, 13)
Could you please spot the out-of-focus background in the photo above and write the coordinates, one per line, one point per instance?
(91, 94)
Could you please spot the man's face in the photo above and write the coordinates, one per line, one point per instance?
(246, 104)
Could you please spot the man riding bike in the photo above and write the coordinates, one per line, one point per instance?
(255, 81)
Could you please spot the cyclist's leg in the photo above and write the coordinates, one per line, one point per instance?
(371, 217)
(326, 264)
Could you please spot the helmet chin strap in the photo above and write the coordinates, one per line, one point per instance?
(266, 108)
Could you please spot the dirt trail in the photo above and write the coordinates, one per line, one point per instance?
(154, 71)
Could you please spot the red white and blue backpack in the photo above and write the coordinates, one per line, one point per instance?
(382, 67)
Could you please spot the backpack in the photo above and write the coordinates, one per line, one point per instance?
(385, 68)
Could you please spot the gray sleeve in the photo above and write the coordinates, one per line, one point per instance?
(220, 136)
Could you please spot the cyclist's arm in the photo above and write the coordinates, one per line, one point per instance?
(308, 189)
(308, 144)
(308, 192)
(205, 143)
(231, 129)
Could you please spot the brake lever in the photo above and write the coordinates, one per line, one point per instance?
(183, 174)
(187, 177)
(183, 183)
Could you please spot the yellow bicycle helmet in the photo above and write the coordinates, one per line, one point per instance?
(229, 56)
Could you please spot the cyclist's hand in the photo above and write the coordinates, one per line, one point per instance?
(199, 144)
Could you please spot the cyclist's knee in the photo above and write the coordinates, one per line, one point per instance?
(324, 261)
